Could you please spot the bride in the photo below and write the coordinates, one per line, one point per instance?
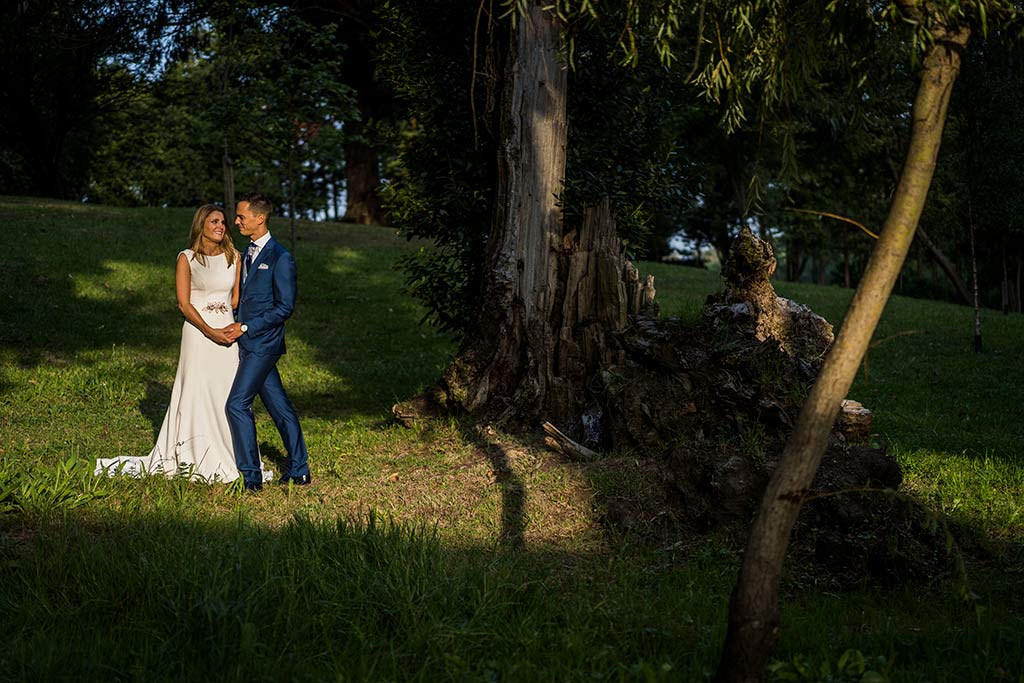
(195, 439)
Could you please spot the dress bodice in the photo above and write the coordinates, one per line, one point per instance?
(212, 283)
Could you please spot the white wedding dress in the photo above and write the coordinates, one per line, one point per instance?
(195, 440)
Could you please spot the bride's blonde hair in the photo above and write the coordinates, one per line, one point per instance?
(195, 234)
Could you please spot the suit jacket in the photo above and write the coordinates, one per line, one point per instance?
(267, 299)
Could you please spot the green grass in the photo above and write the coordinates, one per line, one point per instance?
(398, 563)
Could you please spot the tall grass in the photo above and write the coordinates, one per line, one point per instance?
(395, 564)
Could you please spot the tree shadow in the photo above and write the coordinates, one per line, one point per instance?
(271, 454)
(513, 490)
(221, 593)
(382, 598)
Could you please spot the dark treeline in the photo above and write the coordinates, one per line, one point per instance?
(376, 112)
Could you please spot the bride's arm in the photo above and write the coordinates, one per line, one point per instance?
(238, 282)
(183, 290)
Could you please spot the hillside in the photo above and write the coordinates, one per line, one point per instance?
(525, 560)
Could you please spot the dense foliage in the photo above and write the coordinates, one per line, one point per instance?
(259, 87)
(979, 177)
(95, 117)
(694, 118)
(56, 84)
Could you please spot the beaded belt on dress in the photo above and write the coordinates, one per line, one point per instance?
(217, 307)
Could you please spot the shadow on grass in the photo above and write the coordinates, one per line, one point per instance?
(177, 596)
(169, 593)
(364, 332)
(272, 455)
(513, 490)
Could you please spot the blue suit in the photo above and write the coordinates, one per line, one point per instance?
(266, 300)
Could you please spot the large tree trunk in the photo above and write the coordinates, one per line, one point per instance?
(507, 360)
(552, 298)
(361, 179)
(356, 24)
(754, 609)
(362, 172)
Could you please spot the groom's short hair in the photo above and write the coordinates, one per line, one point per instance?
(258, 204)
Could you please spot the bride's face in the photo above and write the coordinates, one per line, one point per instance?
(214, 227)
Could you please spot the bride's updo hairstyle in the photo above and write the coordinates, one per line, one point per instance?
(195, 234)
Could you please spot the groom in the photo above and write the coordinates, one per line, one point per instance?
(267, 299)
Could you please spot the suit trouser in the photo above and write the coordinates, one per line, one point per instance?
(257, 374)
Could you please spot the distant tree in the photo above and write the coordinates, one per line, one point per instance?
(157, 147)
(375, 104)
(976, 186)
(298, 103)
(56, 83)
(250, 97)
(355, 27)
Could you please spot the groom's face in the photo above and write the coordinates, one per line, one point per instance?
(249, 224)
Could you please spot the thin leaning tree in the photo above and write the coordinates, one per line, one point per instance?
(943, 28)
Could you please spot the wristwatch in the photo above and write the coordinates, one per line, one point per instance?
(244, 328)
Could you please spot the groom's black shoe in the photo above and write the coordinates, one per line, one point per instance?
(304, 480)
(253, 486)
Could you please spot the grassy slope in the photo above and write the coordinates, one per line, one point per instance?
(88, 348)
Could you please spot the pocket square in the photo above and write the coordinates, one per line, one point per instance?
(263, 266)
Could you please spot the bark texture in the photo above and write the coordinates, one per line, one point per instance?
(507, 362)
(754, 610)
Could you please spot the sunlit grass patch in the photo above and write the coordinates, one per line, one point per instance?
(979, 491)
(120, 279)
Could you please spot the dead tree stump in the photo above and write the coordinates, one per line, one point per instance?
(709, 405)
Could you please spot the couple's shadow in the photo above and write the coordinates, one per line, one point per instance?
(271, 455)
(153, 405)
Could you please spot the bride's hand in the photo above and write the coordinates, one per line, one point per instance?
(233, 331)
(220, 336)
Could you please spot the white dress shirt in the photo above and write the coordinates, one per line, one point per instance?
(260, 243)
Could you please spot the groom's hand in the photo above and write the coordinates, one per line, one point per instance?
(221, 336)
(232, 331)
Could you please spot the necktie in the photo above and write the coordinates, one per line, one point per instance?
(249, 256)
